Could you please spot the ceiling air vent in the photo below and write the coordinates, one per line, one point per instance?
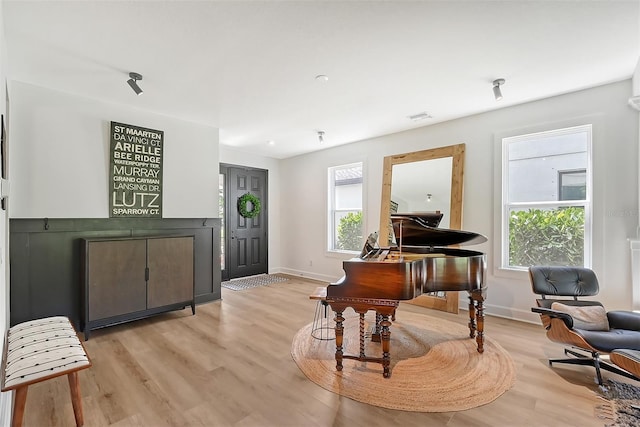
(419, 116)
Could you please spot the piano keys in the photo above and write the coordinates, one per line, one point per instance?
(420, 263)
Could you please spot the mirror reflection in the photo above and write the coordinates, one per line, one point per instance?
(422, 186)
(422, 181)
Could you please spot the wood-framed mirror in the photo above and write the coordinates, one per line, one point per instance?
(427, 180)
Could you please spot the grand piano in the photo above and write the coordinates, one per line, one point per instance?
(420, 262)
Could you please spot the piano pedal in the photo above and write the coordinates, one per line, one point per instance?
(371, 333)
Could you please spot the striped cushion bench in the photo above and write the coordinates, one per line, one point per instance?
(39, 350)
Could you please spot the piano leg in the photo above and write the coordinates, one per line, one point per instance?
(339, 334)
(386, 338)
(480, 319)
(476, 319)
(362, 355)
(472, 317)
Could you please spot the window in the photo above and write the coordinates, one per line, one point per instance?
(345, 208)
(546, 192)
(572, 185)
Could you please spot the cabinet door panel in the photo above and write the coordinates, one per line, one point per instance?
(170, 263)
(116, 278)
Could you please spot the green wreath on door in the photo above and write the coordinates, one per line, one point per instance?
(243, 204)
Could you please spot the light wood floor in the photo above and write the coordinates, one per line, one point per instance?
(230, 365)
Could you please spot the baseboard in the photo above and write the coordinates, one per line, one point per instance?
(512, 314)
(305, 274)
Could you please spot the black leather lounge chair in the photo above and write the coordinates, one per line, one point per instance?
(583, 325)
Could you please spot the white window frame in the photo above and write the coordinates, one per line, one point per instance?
(331, 226)
(506, 205)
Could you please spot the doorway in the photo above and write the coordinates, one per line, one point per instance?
(244, 237)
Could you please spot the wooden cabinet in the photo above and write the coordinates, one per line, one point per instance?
(131, 278)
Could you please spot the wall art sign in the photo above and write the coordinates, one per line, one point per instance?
(135, 177)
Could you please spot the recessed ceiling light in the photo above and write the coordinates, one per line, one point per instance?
(322, 78)
(271, 142)
(420, 116)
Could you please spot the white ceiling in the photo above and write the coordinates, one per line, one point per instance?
(249, 68)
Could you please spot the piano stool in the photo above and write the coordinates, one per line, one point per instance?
(323, 327)
(39, 350)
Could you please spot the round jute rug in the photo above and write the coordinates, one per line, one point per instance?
(434, 366)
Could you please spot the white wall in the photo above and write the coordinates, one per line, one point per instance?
(231, 156)
(59, 162)
(59, 168)
(615, 195)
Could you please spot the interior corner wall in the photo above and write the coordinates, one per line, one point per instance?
(615, 196)
(636, 92)
(5, 398)
(59, 162)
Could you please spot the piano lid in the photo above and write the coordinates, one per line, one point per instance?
(416, 229)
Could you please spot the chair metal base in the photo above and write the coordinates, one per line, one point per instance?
(591, 360)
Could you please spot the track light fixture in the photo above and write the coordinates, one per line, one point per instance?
(133, 82)
(496, 89)
(321, 136)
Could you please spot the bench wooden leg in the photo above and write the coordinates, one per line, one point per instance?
(76, 400)
(19, 402)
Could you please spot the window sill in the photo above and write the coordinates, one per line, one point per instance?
(342, 254)
(511, 273)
